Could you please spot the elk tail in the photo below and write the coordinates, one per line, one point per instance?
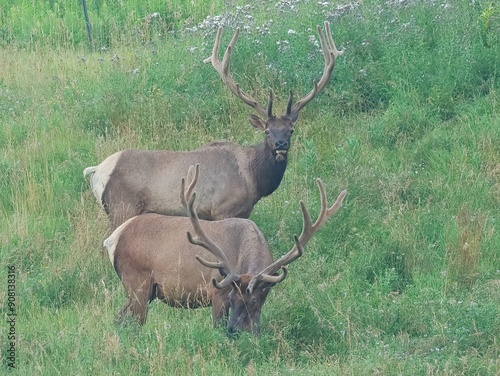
(89, 170)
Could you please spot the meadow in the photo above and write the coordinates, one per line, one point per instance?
(403, 280)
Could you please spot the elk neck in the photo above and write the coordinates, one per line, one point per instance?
(267, 171)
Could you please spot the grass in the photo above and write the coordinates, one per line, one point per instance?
(405, 279)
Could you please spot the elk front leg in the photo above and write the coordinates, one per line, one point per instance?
(220, 306)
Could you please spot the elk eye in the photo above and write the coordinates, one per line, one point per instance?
(291, 131)
(267, 131)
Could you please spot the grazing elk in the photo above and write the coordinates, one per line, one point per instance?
(132, 182)
(233, 269)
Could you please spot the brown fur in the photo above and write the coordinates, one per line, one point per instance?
(175, 258)
(234, 179)
(154, 259)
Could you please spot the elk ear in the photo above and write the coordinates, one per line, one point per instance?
(235, 286)
(257, 122)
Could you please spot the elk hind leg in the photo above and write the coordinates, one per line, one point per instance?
(137, 303)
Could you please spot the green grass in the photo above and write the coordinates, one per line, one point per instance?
(405, 279)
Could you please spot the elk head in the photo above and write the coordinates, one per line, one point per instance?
(278, 129)
(247, 292)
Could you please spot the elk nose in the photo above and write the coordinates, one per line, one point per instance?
(281, 145)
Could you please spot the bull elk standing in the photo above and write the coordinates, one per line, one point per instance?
(233, 269)
(132, 182)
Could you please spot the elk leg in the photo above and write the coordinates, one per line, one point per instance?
(137, 302)
(139, 307)
(220, 307)
(123, 312)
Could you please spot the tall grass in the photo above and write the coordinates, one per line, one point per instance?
(403, 280)
(62, 24)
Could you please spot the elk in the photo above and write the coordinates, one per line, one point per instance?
(132, 182)
(226, 264)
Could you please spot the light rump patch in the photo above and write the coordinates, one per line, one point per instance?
(111, 242)
(101, 175)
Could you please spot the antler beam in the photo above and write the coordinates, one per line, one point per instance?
(330, 54)
(222, 67)
(308, 228)
(188, 197)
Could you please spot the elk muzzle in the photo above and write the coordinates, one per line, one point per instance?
(281, 149)
(238, 323)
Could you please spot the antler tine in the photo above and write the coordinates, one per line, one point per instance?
(187, 194)
(308, 229)
(267, 274)
(223, 69)
(330, 54)
(270, 104)
(215, 48)
(289, 104)
(188, 197)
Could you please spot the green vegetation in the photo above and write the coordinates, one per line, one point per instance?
(405, 279)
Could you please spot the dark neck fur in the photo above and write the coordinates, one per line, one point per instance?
(268, 172)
